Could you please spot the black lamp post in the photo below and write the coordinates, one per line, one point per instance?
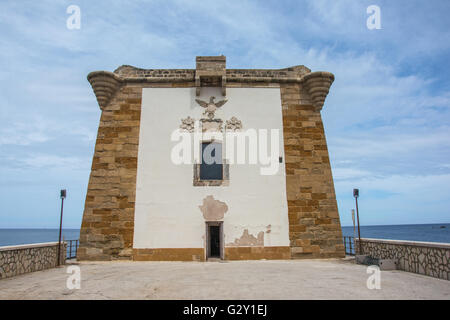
(63, 196)
(356, 195)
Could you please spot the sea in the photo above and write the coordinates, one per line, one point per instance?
(413, 232)
(10, 237)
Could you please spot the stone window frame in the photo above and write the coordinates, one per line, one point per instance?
(197, 182)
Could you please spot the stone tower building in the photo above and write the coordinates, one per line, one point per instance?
(141, 204)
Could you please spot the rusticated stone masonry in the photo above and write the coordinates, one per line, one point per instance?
(314, 227)
(15, 260)
(108, 219)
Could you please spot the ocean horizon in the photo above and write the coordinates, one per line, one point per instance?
(18, 236)
(430, 232)
(435, 232)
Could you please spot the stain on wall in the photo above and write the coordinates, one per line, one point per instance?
(212, 209)
(248, 239)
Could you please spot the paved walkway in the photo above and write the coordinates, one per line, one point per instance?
(296, 279)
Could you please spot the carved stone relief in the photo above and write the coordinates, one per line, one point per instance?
(211, 106)
(234, 124)
(187, 124)
(211, 125)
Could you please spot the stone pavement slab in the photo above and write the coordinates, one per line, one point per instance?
(274, 279)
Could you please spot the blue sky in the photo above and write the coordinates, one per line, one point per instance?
(386, 117)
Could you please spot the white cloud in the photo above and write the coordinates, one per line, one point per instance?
(349, 173)
(39, 161)
(38, 130)
(396, 199)
(24, 134)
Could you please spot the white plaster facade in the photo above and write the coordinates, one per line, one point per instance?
(167, 213)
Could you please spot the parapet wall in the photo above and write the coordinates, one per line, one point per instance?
(428, 258)
(15, 260)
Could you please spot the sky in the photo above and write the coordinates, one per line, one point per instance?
(386, 117)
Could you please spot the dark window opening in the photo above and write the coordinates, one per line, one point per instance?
(211, 167)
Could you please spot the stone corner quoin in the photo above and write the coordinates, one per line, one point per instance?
(108, 224)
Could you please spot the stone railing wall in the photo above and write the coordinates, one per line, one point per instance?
(15, 260)
(428, 258)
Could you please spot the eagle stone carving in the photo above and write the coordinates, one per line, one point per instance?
(210, 106)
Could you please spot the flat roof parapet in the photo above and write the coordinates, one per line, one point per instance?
(276, 75)
(210, 71)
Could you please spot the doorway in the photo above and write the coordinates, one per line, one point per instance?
(214, 240)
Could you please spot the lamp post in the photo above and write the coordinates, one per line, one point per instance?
(354, 224)
(356, 195)
(63, 196)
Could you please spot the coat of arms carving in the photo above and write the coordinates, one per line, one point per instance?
(234, 124)
(187, 124)
(211, 106)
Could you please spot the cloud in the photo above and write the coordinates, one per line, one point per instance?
(38, 130)
(24, 134)
(39, 161)
(349, 173)
(396, 199)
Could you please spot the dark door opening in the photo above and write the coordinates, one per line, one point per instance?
(214, 237)
(214, 241)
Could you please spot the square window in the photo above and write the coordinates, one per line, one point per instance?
(213, 171)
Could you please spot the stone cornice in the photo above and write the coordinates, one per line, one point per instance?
(105, 84)
(318, 85)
